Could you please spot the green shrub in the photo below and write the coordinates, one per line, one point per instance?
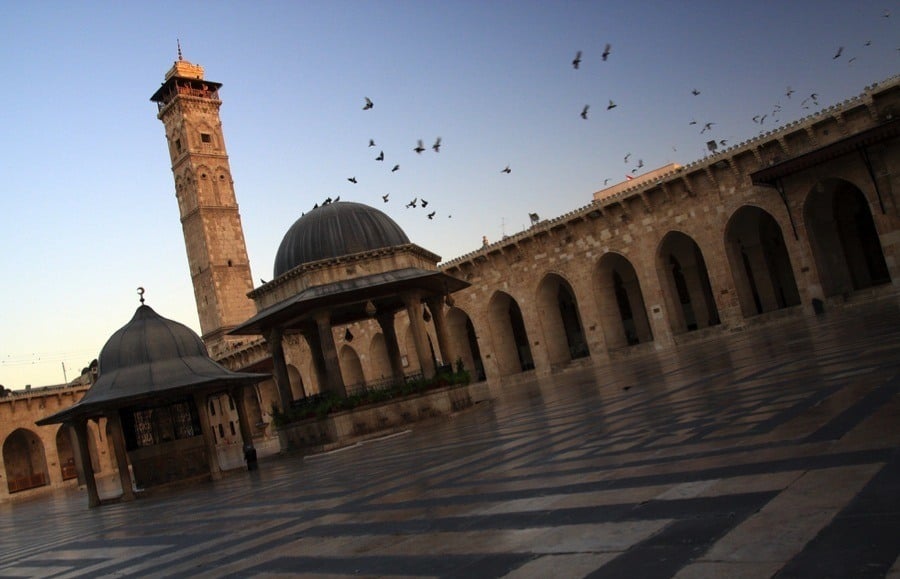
(321, 405)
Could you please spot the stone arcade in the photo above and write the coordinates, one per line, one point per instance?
(785, 224)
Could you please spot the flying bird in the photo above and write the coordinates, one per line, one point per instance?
(640, 163)
(413, 202)
(611, 105)
(395, 169)
(605, 181)
(437, 145)
(380, 156)
(506, 170)
(838, 53)
(577, 61)
(368, 104)
(706, 127)
(385, 197)
(431, 215)
(584, 111)
(419, 147)
(868, 43)
(789, 92)
(351, 179)
(693, 122)
(627, 156)
(424, 204)
(886, 14)
(695, 92)
(371, 142)
(606, 52)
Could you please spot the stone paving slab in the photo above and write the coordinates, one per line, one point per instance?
(766, 453)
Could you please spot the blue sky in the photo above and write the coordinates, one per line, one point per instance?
(89, 211)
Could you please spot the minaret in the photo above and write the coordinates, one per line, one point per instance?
(213, 236)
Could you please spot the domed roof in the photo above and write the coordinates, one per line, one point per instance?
(151, 357)
(335, 230)
(146, 339)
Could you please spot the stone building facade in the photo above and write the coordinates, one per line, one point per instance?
(37, 459)
(794, 222)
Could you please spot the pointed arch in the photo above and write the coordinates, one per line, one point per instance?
(351, 369)
(843, 239)
(508, 335)
(25, 461)
(379, 359)
(759, 260)
(685, 282)
(297, 389)
(252, 406)
(65, 454)
(561, 321)
(465, 342)
(409, 349)
(623, 314)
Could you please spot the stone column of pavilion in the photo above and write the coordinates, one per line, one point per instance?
(310, 333)
(274, 341)
(413, 303)
(386, 322)
(82, 451)
(118, 439)
(335, 382)
(344, 262)
(237, 394)
(436, 307)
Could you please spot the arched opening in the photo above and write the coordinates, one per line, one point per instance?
(843, 238)
(623, 315)
(351, 370)
(558, 309)
(685, 282)
(25, 461)
(379, 359)
(268, 398)
(760, 263)
(298, 392)
(252, 407)
(65, 454)
(508, 335)
(412, 365)
(465, 342)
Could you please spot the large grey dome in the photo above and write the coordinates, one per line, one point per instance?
(335, 230)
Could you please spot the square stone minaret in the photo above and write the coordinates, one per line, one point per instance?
(213, 236)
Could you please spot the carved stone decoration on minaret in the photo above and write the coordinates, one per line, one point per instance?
(213, 236)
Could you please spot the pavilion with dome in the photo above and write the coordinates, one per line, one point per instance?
(344, 262)
(155, 378)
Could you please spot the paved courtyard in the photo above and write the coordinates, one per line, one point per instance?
(774, 451)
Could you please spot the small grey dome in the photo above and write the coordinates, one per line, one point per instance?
(149, 338)
(335, 230)
(151, 358)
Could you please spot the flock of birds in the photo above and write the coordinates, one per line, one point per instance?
(713, 145)
(419, 149)
(706, 128)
